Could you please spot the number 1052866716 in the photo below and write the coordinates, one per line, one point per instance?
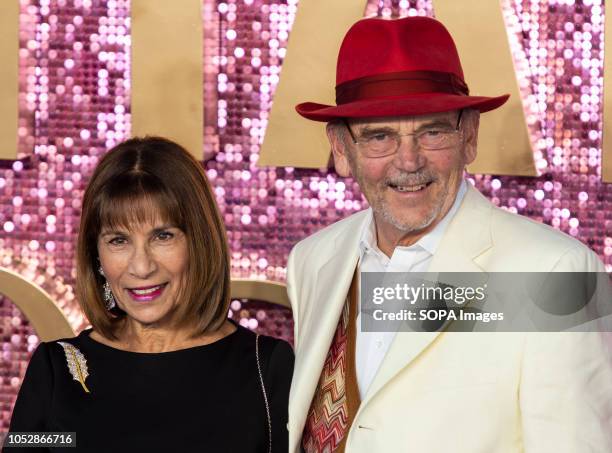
(38, 439)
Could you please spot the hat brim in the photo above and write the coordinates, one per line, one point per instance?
(416, 104)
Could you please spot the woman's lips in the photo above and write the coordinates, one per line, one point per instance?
(146, 294)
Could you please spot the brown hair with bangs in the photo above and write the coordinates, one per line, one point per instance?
(143, 180)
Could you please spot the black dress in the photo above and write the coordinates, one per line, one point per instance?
(201, 399)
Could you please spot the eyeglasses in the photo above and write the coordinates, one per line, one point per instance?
(385, 143)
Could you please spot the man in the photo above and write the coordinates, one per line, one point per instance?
(405, 128)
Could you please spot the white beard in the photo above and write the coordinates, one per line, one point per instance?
(383, 211)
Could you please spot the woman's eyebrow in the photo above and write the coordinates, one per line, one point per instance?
(124, 232)
(112, 232)
(162, 228)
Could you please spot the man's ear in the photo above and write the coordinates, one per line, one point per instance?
(471, 136)
(339, 150)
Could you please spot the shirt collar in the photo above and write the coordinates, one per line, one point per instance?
(429, 242)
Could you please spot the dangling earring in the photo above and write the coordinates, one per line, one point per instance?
(108, 294)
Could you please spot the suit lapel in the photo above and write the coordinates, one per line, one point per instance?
(321, 319)
(468, 236)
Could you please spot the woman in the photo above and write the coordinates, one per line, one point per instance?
(162, 368)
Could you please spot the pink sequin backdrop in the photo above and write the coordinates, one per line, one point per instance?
(74, 102)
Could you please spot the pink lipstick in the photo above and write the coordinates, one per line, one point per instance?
(147, 293)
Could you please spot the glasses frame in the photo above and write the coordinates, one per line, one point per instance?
(357, 142)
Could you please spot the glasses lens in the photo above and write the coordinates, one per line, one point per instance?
(437, 139)
(384, 144)
(380, 144)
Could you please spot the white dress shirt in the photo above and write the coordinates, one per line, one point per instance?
(371, 347)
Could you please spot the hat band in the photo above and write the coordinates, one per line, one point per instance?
(399, 83)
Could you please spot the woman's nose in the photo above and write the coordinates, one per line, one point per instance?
(142, 265)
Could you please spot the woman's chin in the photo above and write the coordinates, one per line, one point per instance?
(146, 315)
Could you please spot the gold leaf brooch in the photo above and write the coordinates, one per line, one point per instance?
(77, 365)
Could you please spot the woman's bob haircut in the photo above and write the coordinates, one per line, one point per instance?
(146, 180)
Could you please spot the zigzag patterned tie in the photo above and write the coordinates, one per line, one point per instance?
(327, 421)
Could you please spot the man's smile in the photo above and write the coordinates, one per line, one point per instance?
(409, 188)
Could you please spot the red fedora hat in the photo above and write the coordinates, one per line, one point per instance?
(406, 66)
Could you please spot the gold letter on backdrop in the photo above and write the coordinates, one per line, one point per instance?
(606, 148)
(36, 305)
(308, 74)
(9, 72)
(479, 31)
(167, 68)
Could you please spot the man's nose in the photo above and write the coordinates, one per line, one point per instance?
(142, 263)
(409, 156)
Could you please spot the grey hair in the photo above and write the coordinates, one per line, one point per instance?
(338, 128)
(470, 115)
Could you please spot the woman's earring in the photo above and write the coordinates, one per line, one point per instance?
(108, 294)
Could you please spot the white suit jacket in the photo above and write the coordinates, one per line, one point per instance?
(456, 392)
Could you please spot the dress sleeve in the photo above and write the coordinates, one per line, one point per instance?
(31, 409)
(278, 374)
